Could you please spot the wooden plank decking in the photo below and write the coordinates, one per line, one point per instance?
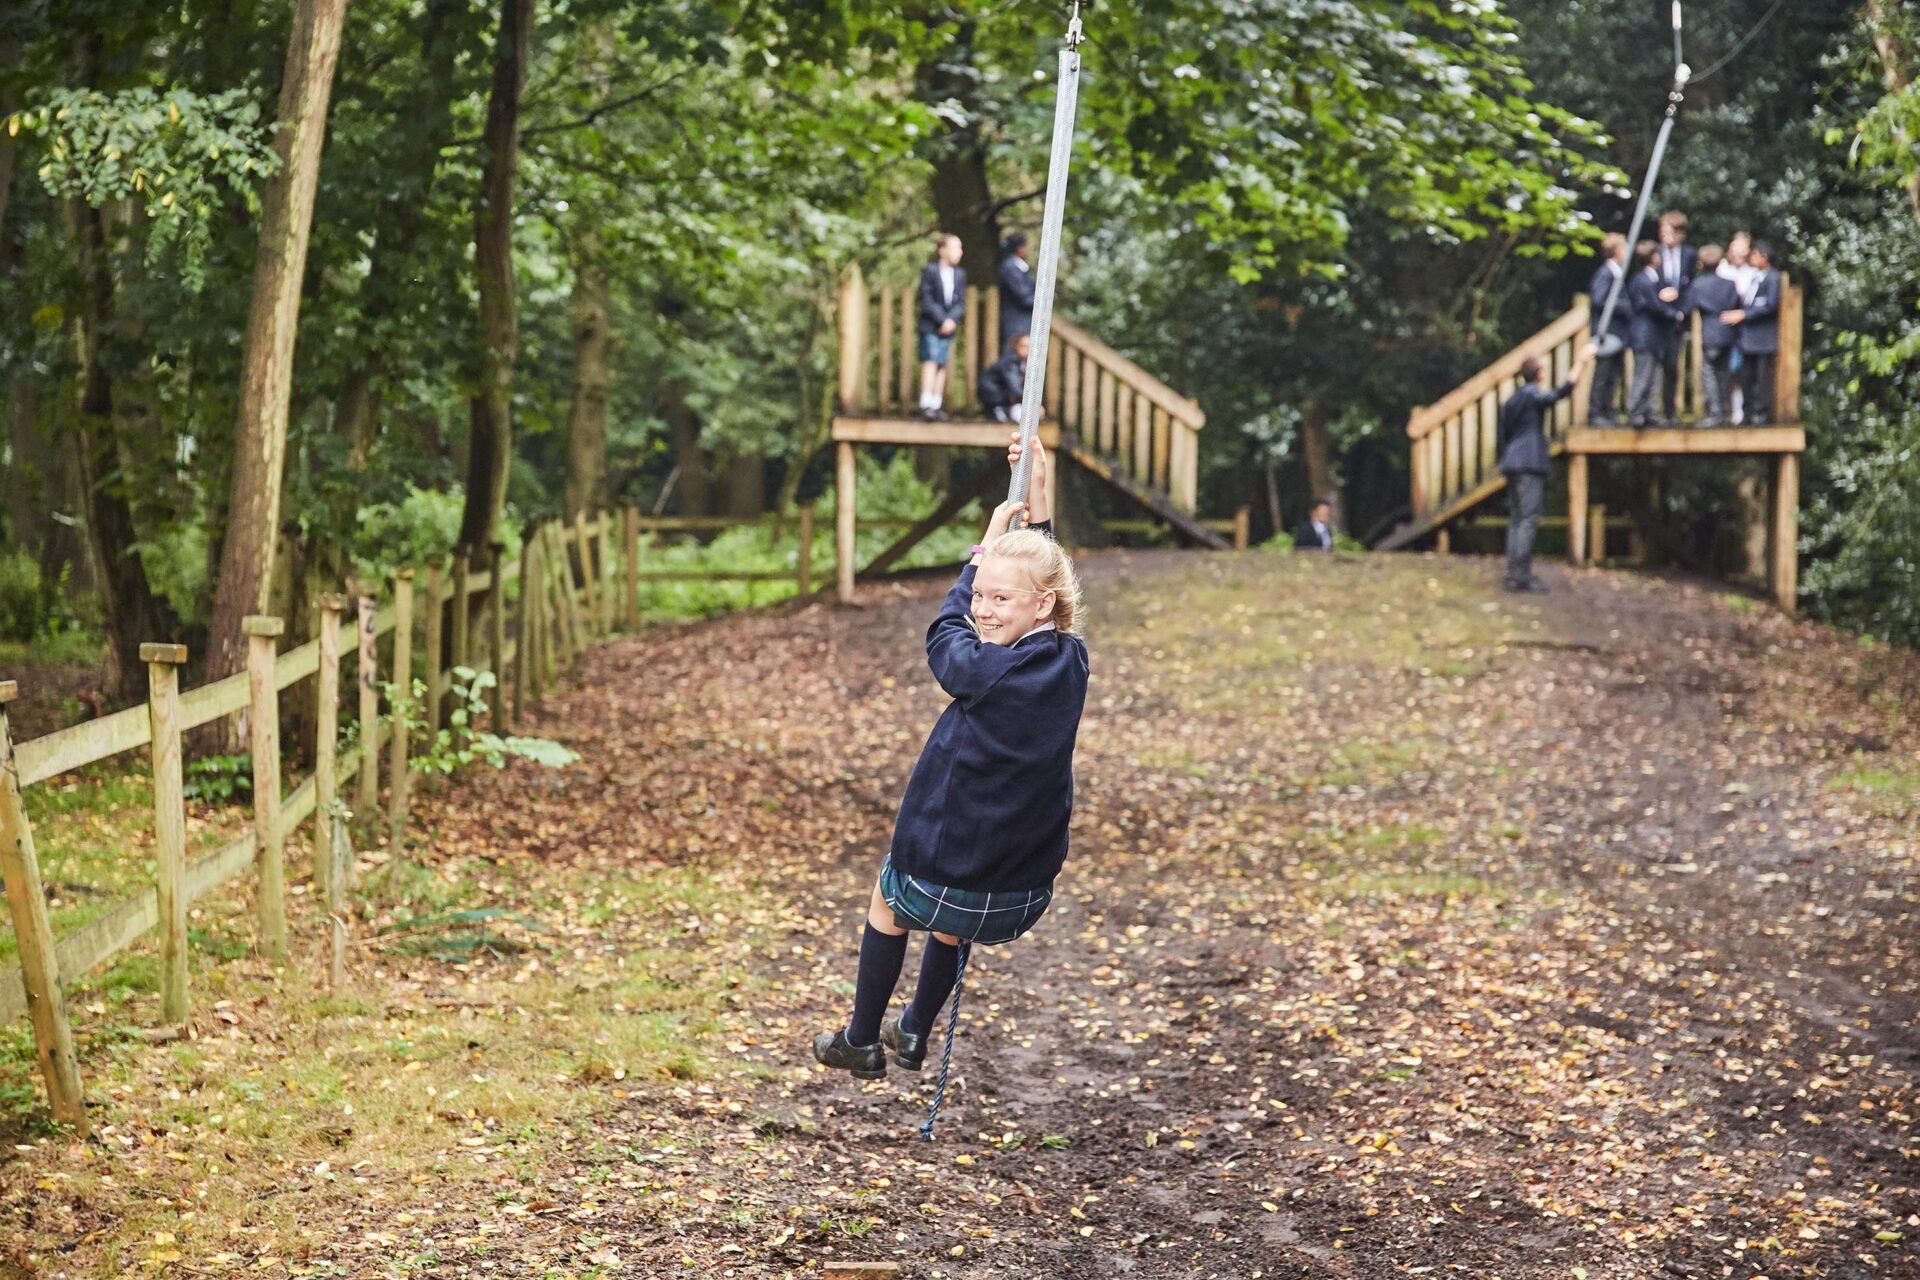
(977, 432)
(1669, 441)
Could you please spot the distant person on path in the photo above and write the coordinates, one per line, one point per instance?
(1757, 321)
(1016, 290)
(942, 303)
(1316, 531)
(1713, 293)
(982, 830)
(1004, 382)
(1526, 460)
(1603, 399)
(1654, 333)
(1678, 263)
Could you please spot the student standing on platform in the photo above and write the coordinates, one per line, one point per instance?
(1603, 398)
(1655, 330)
(1526, 460)
(942, 304)
(1738, 269)
(1016, 290)
(1711, 294)
(1757, 321)
(1677, 268)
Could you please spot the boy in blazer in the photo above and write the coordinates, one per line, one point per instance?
(1757, 322)
(1016, 290)
(1653, 332)
(1712, 294)
(1605, 393)
(1678, 266)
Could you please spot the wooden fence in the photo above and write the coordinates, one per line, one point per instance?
(1109, 403)
(573, 588)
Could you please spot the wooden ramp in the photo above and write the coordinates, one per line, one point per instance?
(1454, 463)
(1104, 413)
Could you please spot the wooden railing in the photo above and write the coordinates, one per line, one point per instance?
(1106, 401)
(572, 586)
(1454, 439)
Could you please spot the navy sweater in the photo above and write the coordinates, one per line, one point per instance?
(987, 806)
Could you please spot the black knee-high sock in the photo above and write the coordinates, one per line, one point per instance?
(881, 955)
(938, 965)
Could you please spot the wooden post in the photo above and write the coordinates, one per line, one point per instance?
(1242, 528)
(169, 822)
(263, 726)
(523, 632)
(401, 708)
(1597, 533)
(1577, 508)
(603, 547)
(584, 546)
(909, 349)
(845, 473)
(806, 550)
(326, 740)
(883, 384)
(462, 617)
(853, 340)
(369, 710)
(630, 562)
(1786, 532)
(1417, 460)
(1786, 368)
(497, 633)
(570, 610)
(1697, 370)
(1443, 540)
(436, 643)
(33, 934)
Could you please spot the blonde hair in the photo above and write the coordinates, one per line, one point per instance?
(1049, 568)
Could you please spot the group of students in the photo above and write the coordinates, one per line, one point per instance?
(941, 305)
(1736, 292)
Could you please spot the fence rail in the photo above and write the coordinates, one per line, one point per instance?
(572, 588)
(1104, 399)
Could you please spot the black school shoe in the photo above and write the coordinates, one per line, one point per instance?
(909, 1050)
(866, 1062)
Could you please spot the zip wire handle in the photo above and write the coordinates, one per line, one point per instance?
(1075, 34)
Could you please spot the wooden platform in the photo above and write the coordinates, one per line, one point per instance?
(1681, 441)
(978, 432)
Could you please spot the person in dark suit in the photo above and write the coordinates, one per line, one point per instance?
(942, 303)
(1526, 459)
(1316, 531)
(1016, 290)
(1757, 322)
(1003, 382)
(1652, 333)
(1603, 398)
(1711, 294)
(1677, 263)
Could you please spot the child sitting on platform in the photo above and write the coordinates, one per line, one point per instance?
(982, 829)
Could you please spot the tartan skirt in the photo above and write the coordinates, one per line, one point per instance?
(986, 918)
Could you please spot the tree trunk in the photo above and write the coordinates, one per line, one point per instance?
(746, 485)
(961, 188)
(10, 53)
(683, 428)
(1316, 442)
(134, 615)
(1271, 470)
(266, 370)
(592, 309)
(490, 443)
(1896, 71)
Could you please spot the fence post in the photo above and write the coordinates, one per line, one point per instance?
(462, 616)
(326, 742)
(435, 643)
(39, 970)
(569, 601)
(523, 633)
(806, 550)
(630, 555)
(584, 545)
(497, 633)
(401, 708)
(169, 822)
(604, 540)
(369, 709)
(263, 731)
(1242, 528)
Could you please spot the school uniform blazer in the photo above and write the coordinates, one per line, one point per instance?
(1689, 265)
(1760, 332)
(1521, 435)
(1016, 299)
(1710, 296)
(1308, 538)
(987, 805)
(1652, 325)
(1003, 381)
(934, 310)
(1621, 325)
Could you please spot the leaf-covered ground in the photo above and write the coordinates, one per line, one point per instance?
(1409, 930)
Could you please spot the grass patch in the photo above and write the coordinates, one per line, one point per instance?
(1891, 790)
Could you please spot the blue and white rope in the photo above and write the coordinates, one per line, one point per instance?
(946, 1050)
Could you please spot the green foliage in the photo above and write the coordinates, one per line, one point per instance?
(180, 154)
(419, 526)
(219, 779)
(22, 604)
(459, 743)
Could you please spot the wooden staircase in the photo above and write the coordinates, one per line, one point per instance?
(1104, 412)
(1455, 467)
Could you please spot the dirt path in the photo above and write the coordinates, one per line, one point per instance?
(1408, 930)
